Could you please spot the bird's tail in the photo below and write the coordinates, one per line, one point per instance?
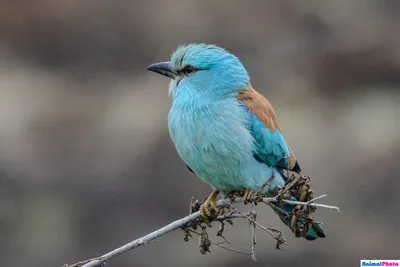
(300, 227)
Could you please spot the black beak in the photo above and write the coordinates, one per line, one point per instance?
(163, 68)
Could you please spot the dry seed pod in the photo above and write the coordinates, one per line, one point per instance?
(204, 242)
(311, 196)
(304, 192)
(293, 223)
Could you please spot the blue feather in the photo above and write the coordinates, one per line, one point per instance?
(271, 146)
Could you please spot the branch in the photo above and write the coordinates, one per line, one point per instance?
(253, 238)
(149, 238)
(311, 204)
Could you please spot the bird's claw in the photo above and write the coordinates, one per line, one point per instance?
(205, 212)
(248, 196)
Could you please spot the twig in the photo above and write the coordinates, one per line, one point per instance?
(232, 215)
(191, 205)
(292, 202)
(230, 249)
(276, 208)
(78, 264)
(253, 238)
(265, 184)
(277, 235)
(291, 184)
(219, 244)
(311, 204)
(312, 200)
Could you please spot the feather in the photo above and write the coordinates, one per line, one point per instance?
(272, 148)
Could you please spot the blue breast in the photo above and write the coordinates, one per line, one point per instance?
(216, 143)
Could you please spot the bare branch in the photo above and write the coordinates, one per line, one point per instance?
(311, 204)
(312, 200)
(149, 238)
(253, 238)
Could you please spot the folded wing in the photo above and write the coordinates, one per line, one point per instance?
(271, 147)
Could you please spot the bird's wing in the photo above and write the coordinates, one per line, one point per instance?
(271, 147)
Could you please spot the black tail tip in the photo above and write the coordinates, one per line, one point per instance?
(296, 167)
(315, 232)
(321, 235)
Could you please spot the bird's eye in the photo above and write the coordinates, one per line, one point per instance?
(188, 69)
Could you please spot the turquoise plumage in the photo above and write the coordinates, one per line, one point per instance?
(271, 147)
(224, 131)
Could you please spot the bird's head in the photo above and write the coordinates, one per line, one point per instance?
(203, 69)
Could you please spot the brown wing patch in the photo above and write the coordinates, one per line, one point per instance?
(259, 106)
(262, 108)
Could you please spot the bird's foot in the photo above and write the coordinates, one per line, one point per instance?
(248, 196)
(205, 211)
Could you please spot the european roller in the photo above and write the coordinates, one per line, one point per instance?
(223, 129)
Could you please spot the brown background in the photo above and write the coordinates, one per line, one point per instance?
(86, 163)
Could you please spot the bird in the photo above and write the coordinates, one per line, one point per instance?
(224, 130)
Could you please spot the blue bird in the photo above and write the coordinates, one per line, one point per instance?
(223, 129)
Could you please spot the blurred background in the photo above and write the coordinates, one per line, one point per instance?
(86, 162)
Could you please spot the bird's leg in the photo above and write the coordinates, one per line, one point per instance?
(248, 194)
(204, 209)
